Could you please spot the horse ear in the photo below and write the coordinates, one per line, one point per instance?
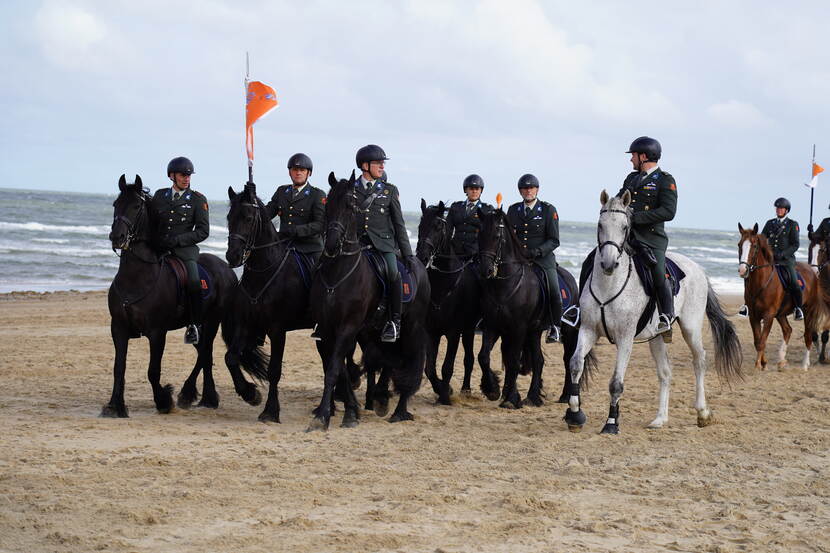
(138, 184)
(423, 206)
(603, 198)
(231, 193)
(442, 206)
(740, 227)
(332, 179)
(122, 183)
(352, 179)
(755, 229)
(626, 199)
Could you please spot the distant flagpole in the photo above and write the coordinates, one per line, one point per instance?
(247, 79)
(812, 188)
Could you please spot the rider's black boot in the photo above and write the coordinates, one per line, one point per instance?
(798, 312)
(194, 329)
(392, 330)
(665, 306)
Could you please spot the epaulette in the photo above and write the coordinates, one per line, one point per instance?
(197, 194)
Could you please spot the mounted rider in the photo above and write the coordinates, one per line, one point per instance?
(383, 227)
(782, 234)
(536, 224)
(184, 221)
(823, 231)
(301, 208)
(463, 218)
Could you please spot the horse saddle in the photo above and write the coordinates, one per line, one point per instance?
(179, 271)
(306, 266)
(784, 277)
(565, 293)
(379, 268)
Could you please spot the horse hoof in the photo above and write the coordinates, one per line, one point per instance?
(265, 416)
(253, 396)
(185, 399)
(510, 405)
(444, 400)
(401, 417)
(492, 396)
(210, 401)
(111, 412)
(381, 408)
(610, 428)
(349, 421)
(658, 423)
(705, 418)
(466, 392)
(575, 421)
(535, 400)
(318, 423)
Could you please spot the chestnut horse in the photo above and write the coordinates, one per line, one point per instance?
(768, 300)
(819, 258)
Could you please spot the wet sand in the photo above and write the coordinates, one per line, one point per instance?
(470, 477)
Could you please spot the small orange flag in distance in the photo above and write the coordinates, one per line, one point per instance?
(817, 169)
(259, 100)
(498, 199)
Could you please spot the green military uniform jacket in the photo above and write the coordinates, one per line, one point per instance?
(466, 226)
(185, 221)
(783, 238)
(537, 231)
(382, 221)
(654, 201)
(303, 213)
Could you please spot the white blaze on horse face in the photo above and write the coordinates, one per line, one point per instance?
(743, 254)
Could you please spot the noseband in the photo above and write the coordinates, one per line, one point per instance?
(620, 247)
(497, 255)
(342, 230)
(435, 248)
(132, 227)
(248, 245)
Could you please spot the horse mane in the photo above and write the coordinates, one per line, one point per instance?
(514, 240)
(764, 247)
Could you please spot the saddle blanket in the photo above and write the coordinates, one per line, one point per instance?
(306, 266)
(179, 271)
(784, 277)
(379, 268)
(565, 293)
(673, 273)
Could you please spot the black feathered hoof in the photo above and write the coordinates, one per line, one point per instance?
(252, 395)
(381, 406)
(492, 395)
(402, 417)
(267, 416)
(610, 428)
(575, 421)
(209, 401)
(109, 411)
(186, 398)
(350, 420)
(318, 423)
(507, 404)
(535, 400)
(164, 400)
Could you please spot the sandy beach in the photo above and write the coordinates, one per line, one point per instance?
(470, 477)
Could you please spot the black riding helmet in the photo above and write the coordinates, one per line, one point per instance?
(368, 154)
(473, 181)
(180, 165)
(648, 146)
(302, 161)
(783, 202)
(528, 181)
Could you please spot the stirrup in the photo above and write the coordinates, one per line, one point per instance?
(798, 314)
(571, 316)
(315, 334)
(664, 323)
(390, 332)
(743, 311)
(554, 336)
(191, 335)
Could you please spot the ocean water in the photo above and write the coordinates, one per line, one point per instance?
(58, 241)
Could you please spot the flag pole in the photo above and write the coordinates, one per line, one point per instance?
(247, 79)
(812, 189)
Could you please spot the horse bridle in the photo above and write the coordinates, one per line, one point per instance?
(132, 227)
(435, 248)
(620, 247)
(249, 242)
(750, 265)
(497, 255)
(820, 267)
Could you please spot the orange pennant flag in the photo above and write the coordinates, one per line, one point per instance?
(498, 199)
(260, 99)
(817, 169)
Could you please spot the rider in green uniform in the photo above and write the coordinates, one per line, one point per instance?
(463, 218)
(536, 224)
(383, 228)
(183, 221)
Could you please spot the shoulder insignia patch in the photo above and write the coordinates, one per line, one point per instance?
(796, 228)
(205, 206)
(555, 216)
(323, 200)
(672, 186)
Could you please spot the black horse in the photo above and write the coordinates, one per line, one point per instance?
(455, 307)
(146, 300)
(345, 300)
(514, 307)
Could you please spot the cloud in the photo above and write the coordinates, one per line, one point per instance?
(738, 115)
(70, 36)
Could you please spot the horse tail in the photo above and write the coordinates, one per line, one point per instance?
(817, 311)
(728, 353)
(252, 358)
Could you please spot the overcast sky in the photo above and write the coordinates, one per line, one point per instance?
(737, 92)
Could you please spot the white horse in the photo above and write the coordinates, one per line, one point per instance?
(613, 304)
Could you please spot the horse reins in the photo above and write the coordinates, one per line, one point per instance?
(620, 249)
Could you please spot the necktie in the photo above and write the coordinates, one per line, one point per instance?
(527, 211)
(368, 187)
(470, 207)
(177, 195)
(296, 192)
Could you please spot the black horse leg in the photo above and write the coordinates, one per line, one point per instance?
(569, 337)
(447, 367)
(469, 358)
(511, 354)
(210, 397)
(245, 389)
(432, 361)
(533, 349)
(271, 411)
(489, 381)
(116, 406)
(162, 395)
(822, 358)
(351, 411)
(332, 366)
